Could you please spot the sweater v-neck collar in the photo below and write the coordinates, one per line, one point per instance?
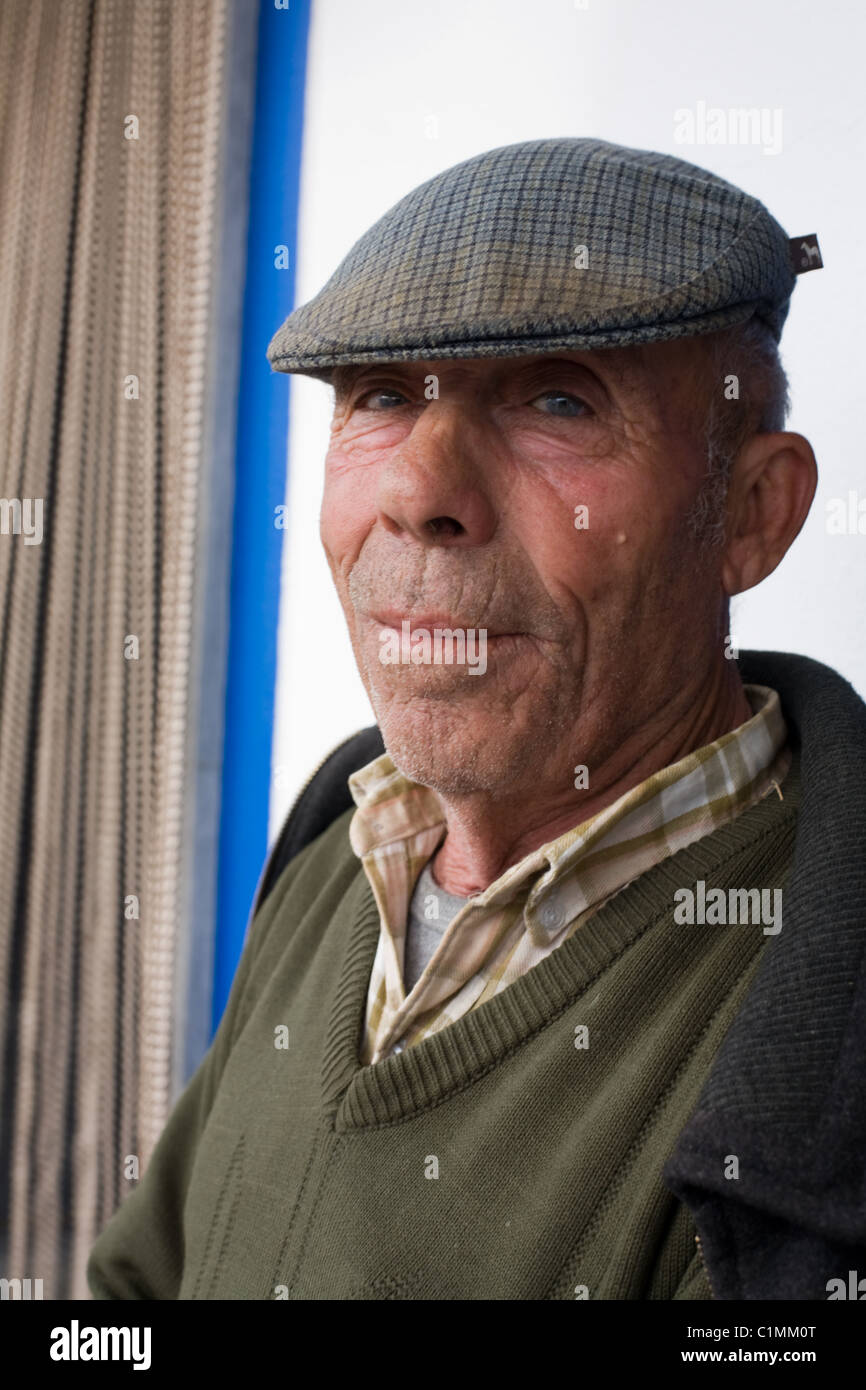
(401, 1084)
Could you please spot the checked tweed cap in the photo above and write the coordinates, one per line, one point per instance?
(483, 261)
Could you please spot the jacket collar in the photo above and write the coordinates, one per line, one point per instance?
(787, 1092)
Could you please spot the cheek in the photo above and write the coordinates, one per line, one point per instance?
(592, 540)
(347, 511)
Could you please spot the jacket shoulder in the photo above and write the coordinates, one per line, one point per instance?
(325, 797)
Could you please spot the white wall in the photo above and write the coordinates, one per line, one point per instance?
(496, 71)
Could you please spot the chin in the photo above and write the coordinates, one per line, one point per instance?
(442, 746)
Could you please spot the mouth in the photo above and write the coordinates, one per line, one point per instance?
(390, 618)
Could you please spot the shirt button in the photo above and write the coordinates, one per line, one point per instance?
(398, 1047)
(550, 914)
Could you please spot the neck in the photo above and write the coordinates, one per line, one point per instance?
(486, 834)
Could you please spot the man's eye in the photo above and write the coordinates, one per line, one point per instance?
(373, 399)
(561, 403)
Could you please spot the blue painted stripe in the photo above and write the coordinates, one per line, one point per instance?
(260, 484)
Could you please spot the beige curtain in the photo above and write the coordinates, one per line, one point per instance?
(110, 121)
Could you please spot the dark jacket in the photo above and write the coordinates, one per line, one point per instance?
(787, 1092)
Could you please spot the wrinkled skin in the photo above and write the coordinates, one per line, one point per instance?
(606, 644)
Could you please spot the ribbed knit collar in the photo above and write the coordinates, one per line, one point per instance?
(426, 1074)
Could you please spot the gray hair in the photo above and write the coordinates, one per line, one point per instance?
(750, 353)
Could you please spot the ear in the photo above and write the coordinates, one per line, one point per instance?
(773, 483)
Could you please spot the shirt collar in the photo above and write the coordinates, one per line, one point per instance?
(392, 808)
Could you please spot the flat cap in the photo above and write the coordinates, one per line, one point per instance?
(546, 245)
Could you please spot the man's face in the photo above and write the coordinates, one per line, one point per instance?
(591, 627)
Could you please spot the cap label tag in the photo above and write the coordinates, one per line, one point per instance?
(805, 253)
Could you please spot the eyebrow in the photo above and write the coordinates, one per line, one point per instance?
(344, 375)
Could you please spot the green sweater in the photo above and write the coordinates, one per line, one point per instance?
(495, 1159)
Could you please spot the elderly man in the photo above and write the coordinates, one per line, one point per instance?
(551, 985)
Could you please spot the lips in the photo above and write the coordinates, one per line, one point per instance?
(390, 618)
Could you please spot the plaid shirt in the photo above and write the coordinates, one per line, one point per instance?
(537, 903)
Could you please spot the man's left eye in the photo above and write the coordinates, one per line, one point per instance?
(561, 403)
(379, 394)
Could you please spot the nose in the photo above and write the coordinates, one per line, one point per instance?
(438, 487)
